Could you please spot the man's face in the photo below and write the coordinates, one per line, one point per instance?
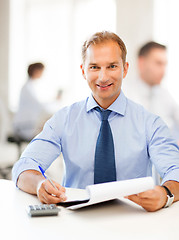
(103, 69)
(153, 66)
(37, 73)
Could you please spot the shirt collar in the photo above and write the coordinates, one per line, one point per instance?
(118, 106)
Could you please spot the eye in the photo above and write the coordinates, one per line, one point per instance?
(94, 67)
(112, 66)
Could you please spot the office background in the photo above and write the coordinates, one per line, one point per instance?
(52, 31)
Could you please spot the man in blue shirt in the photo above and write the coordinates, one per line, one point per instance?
(140, 138)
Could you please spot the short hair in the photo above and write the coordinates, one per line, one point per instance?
(145, 49)
(33, 67)
(101, 37)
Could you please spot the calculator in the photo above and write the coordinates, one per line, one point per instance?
(42, 210)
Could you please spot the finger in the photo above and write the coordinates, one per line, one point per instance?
(40, 197)
(45, 196)
(141, 201)
(51, 190)
(49, 199)
(44, 200)
(59, 187)
(147, 194)
(134, 198)
(145, 203)
(150, 206)
(63, 189)
(56, 194)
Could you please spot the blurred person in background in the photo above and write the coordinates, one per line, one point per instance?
(32, 112)
(147, 89)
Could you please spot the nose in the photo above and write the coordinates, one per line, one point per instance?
(103, 75)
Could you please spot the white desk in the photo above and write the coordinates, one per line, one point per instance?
(119, 219)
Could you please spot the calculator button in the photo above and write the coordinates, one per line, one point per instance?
(52, 206)
(37, 207)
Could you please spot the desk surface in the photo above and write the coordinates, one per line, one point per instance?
(118, 219)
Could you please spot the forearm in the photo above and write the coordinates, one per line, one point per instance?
(174, 189)
(29, 180)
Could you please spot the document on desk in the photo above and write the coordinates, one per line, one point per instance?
(78, 198)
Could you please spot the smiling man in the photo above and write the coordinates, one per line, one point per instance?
(104, 138)
(104, 69)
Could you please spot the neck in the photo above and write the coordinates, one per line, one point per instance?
(146, 81)
(105, 103)
(34, 78)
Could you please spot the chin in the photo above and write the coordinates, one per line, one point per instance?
(158, 83)
(104, 95)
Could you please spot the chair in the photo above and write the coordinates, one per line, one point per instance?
(9, 153)
(18, 141)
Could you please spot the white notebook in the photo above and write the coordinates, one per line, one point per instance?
(78, 198)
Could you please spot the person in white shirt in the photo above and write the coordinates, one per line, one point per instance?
(147, 89)
(32, 112)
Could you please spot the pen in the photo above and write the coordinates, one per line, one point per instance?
(43, 173)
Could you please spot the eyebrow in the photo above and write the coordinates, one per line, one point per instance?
(94, 64)
(116, 62)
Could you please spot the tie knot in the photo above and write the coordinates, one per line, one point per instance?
(104, 114)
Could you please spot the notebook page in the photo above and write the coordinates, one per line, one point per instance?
(108, 191)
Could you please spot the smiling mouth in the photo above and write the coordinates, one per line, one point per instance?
(104, 86)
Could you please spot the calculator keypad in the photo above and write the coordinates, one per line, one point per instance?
(43, 210)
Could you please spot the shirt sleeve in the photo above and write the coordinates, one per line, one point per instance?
(163, 150)
(42, 150)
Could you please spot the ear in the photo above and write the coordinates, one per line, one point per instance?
(126, 67)
(82, 70)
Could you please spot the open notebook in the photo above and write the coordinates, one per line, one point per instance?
(78, 198)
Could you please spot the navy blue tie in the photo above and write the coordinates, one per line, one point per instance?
(104, 167)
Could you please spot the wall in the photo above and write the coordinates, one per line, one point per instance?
(4, 49)
(135, 26)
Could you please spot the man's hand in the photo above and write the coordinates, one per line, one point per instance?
(151, 200)
(48, 194)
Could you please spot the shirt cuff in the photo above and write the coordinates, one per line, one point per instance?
(173, 175)
(22, 165)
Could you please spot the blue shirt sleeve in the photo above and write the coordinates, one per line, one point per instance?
(37, 153)
(163, 150)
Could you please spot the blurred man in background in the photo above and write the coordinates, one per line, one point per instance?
(32, 112)
(147, 90)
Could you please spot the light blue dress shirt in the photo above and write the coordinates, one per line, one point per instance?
(140, 139)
